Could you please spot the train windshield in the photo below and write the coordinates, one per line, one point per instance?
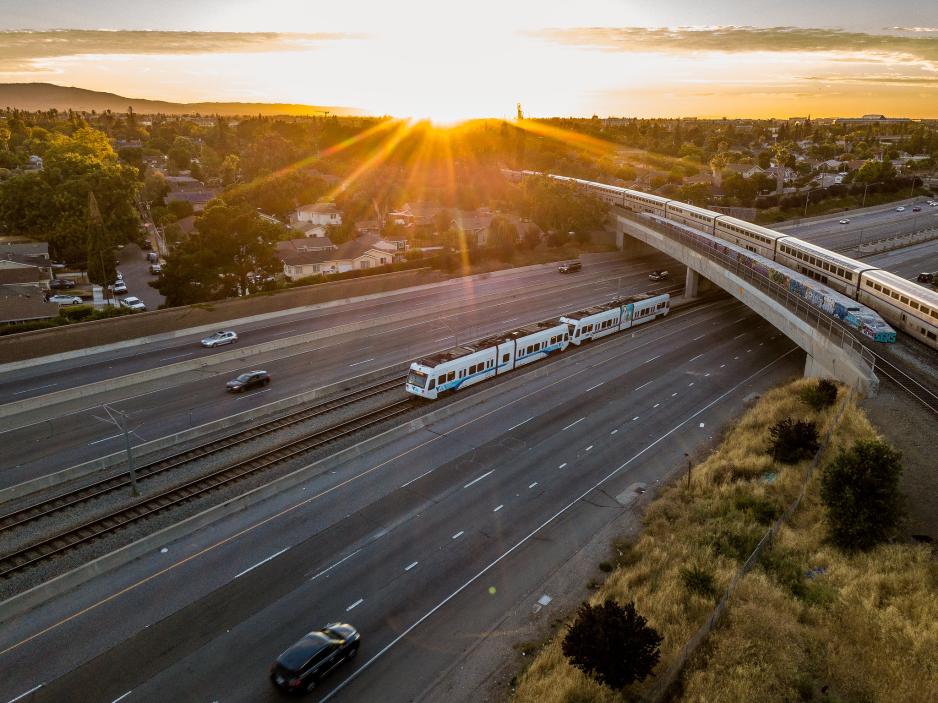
(417, 378)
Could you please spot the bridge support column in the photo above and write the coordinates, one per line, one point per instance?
(691, 283)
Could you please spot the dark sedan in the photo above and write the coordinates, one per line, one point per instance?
(304, 665)
(251, 379)
(61, 283)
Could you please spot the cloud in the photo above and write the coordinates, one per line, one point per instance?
(20, 50)
(914, 29)
(746, 39)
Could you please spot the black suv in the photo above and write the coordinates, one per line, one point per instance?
(248, 380)
(303, 665)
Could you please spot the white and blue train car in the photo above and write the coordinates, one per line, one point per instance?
(602, 320)
(639, 311)
(464, 366)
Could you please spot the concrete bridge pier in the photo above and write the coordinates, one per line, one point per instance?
(691, 283)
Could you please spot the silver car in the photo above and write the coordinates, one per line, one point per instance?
(219, 338)
(61, 299)
(133, 303)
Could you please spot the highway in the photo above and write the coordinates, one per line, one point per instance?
(424, 544)
(865, 225)
(196, 397)
(909, 261)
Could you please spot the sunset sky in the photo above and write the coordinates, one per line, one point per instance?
(450, 60)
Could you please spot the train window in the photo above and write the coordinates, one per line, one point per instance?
(894, 295)
(441, 379)
(934, 313)
(877, 287)
(566, 337)
(505, 358)
(451, 376)
(849, 276)
(904, 300)
(431, 386)
(869, 283)
(914, 305)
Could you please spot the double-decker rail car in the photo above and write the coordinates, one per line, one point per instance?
(639, 202)
(698, 217)
(908, 306)
(830, 268)
(755, 238)
(607, 193)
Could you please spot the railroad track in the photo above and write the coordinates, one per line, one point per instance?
(102, 487)
(90, 530)
(907, 382)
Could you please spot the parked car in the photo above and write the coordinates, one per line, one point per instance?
(247, 380)
(119, 287)
(845, 221)
(219, 338)
(307, 662)
(133, 303)
(146, 246)
(156, 269)
(900, 209)
(64, 283)
(570, 267)
(120, 276)
(62, 299)
(657, 275)
(153, 257)
(916, 209)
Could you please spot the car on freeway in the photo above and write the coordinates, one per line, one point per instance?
(900, 209)
(62, 299)
(62, 283)
(916, 209)
(933, 203)
(219, 338)
(301, 667)
(845, 221)
(156, 269)
(925, 277)
(133, 303)
(570, 267)
(119, 286)
(657, 275)
(249, 379)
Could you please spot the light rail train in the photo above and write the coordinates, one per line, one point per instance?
(905, 305)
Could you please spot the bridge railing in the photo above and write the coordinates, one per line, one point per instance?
(828, 325)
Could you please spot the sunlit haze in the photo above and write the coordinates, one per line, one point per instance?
(449, 61)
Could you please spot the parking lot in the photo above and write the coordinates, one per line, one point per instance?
(136, 269)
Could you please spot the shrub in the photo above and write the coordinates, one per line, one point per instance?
(860, 490)
(612, 643)
(74, 314)
(820, 395)
(763, 510)
(699, 580)
(793, 441)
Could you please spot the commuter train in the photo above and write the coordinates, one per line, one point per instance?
(905, 305)
(473, 363)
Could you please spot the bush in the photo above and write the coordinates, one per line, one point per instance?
(793, 441)
(612, 643)
(821, 395)
(860, 490)
(74, 314)
(699, 580)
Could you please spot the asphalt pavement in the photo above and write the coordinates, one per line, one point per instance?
(423, 544)
(136, 271)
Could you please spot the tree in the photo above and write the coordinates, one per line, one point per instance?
(503, 237)
(102, 267)
(613, 644)
(860, 490)
(820, 395)
(793, 441)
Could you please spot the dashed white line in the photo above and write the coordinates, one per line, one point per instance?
(498, 508)
(697, 339)
(458, 535)
(330, 568)
(588, 448)
(562, 465)
(37, 388)
(593, 387)
(417, 478)
(652, 359)
(706, 374)
(722, 366)
(359, 363)
(673, 394)
(533, 485)
(614, 431)
(735, 358)
(105, 439)
(23, 695)
(690, 384)
(514, 427)
(741, 334)
(695, 358)
(411, 566)
(120, 698)
(251, 395)
(355, 604)
(476, 480)
(635, 418)
(572, 424)
(443, 339)
(262, 561)
(177, 356)
(656, 405)
(642, 386)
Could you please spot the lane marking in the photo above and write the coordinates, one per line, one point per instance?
(690, 384)
(476, 480)
(443, 339)
(697, 339)
(517, 545)
(656, 405)
(652, 359)
(262, 561)
(120, 698)
(317, 496)
(673, 394)
(533, 485)
(458, 535)
(589, 447)
(498, 508)
(355, 604)
(572, 424)
(411, 566)
(330, 568)
(359, 363)
(741, 334)
(722, 365)
(642, 386)
(98, 441)
(37, 388)
(514, 427)
(241, 396)
(562, 465)
(614, 431)
(418, 478)
(695, 358)
(23, 695)
(635, 418)
(706, 374)
(177, 356)
(594, 387)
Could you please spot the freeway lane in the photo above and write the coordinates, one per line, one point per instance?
(198, 397)
(56, 376)
(908, 262)
(424, 544)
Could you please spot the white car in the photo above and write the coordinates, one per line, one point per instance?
(61, 299)
(120, 276)
(900, 209)
(845, 221)
(119, 287)
(219, 338)
(133, 303)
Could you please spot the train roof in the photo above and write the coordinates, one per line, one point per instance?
(678, 205)
(764, 231)
(905, 286)
(828, 255)
(647, 196)
(519, 332)
(451, 354)
(603, 307)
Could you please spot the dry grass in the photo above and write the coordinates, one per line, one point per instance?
(861, 628)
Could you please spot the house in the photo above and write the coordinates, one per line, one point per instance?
(826, 180)
(24, 271)
(24, 246)
(34, 164)
(474, 225)
(318, 214)
(24, 303)
(309, 229)
(307, 257)
(744, 170)
(198, 198)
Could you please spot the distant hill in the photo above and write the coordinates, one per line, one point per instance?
(46, 96)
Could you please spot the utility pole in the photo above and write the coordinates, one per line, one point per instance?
(119, 418)
(690, 466)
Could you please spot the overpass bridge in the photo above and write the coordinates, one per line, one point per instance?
(832, 349)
